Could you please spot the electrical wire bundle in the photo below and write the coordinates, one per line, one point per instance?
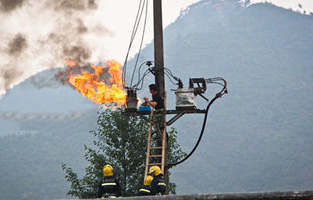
(143, 6)
(142, 12)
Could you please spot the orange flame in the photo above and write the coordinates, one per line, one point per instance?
(90, 85)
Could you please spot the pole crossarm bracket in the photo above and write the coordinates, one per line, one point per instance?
(176, 117)
(168, 112)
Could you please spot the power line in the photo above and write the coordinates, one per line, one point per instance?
(135, 28)
(142, 38)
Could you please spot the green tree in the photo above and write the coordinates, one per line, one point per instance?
(121, 142)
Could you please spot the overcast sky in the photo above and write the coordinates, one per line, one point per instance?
(36, 35)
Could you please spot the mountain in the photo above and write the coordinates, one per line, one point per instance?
(259, 137)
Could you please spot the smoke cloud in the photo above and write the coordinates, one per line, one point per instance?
(9, 5)
(39, 34)
(17, 45)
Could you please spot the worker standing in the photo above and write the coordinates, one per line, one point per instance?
(157, 102)
(109, 185)
(145, 189)
(158, 185)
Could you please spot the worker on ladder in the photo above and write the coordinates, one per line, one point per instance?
(158, 185)
(157, 102)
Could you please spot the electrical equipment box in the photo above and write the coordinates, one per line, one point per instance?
(199, 84)
(185, 98)
(131, 100)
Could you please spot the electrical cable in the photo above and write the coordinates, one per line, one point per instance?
(146, 62)
(168, 70)
(171, 74)
(140, 69)
(129, 47)
(168, 73)
(169, 77)
(146, 73)
(142, 38)
(142, 79)
(135, 28)
(218, 95)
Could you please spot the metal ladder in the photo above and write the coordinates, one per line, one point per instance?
(156, 147)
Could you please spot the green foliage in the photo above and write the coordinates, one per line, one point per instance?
(121, 142)
(175, 153)
(88, 185)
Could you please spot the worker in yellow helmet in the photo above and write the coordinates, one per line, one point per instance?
(158, 185)
(109, 185)
(145, 189)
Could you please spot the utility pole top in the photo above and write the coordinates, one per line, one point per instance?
(158, 46)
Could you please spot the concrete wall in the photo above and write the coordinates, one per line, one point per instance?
(284, 195)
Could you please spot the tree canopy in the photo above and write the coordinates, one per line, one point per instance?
(121, 142)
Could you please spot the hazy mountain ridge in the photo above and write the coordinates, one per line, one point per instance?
(41, 99)
(258, 137)
(44, 123)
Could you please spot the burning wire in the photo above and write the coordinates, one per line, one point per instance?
(94, 82)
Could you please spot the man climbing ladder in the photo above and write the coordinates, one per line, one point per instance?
(157, 102)
(157, 140)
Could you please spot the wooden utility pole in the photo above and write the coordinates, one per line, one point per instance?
(159, 71)
(158, 45)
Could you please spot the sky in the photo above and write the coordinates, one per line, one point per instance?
(36, 35)
(171, 10)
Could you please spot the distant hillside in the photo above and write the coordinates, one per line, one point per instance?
(41, 97)
(43, 124)
(259, 137)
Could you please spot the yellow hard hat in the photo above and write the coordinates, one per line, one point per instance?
(155, 170)
(148, 180)
(108, 170)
